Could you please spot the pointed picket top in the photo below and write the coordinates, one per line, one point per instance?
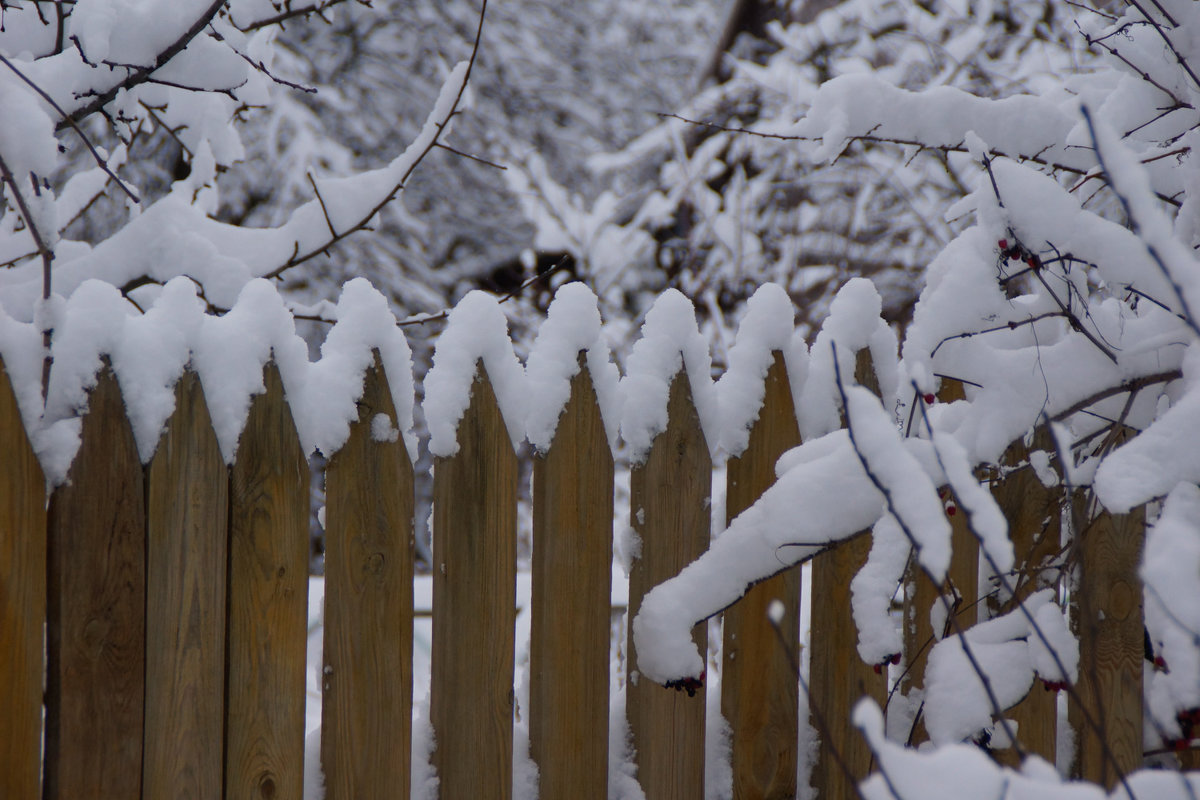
(572, 326)
(335, 384)
(854, 324)
(475, 331)
(148, 353)
(767, 327)
(670, 341)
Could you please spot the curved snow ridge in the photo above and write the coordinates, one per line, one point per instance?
(572, 327)
(365, 325)
(476, 331)
(670, 341)
(854, 323)
(802, 513)
(768, 327)
(149, 352)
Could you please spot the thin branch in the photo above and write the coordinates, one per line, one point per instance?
(1189, 318)
(1129, 386)
(298, 258)
(456, 152)
(1008, 326)
(140, 75)
(997, 709)
(44, 251)
(72, 124)
(291, 13)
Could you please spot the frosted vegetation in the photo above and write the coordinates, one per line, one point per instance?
(1014, 179)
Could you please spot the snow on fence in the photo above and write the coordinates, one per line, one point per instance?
(168, 571)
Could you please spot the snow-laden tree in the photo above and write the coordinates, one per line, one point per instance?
(1064, 297)
(739, 198)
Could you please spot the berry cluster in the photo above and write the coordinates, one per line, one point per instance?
(1017, 252)
(689, 685)
(893, 659)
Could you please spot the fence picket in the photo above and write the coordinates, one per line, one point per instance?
(572, 586)
(759, 685)
(96, 605)
(22, 603)
(1107, 617)
(669, 503)
(187, 511)
(962, 587)
(1034, 514)
(838, 678)
(474, 604)
(366, 711)
(268, 599)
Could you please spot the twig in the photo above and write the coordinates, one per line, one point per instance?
(72, 124)
(818, 716)
(291, 13)
(140, 75)
(891, 507)
(298, 258)
(468, 155)
(44, 251)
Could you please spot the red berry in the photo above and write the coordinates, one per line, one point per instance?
(895, 658)
(878, 669)
(930, 399)
(951, 509)
(1160, 663)
(1003, 244)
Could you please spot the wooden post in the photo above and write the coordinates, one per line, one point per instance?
(96, 605)
(838, 678)
(22, 603)
(366, 711)
(268, 604)
(474, 604)
(961, 587)
(1034, 514)
(759, 685)
(669, 503)
(187, 512)
(571, 595)
(1107, 617)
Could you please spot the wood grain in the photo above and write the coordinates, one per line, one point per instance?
(838, 678)
(669, 503)
(571, 595)
(1108, 619)
(96, 605)
(268, 603)
(366, 711)
(1034, 514)
(759, 685)
(474, 604)
(187, 511)
(22, 603)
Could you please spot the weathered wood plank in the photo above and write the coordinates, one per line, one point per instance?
(759, 685)
(22, 603)
(1107, 617)
(669, 502)
(96, 604)
(570, 616)
(187, 512)
(838, 678)
(1034, 514)
(268, 598)
(366, 710)
(474, 604)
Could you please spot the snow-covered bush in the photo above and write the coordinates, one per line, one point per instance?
(1068, 300)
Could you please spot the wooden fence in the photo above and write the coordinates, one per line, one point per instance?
(173, 598)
